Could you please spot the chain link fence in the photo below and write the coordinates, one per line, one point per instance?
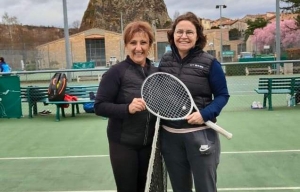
(39, 81)
(30, 57)
(242, 79)
(20, 60)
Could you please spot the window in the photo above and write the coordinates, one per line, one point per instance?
(95, 51)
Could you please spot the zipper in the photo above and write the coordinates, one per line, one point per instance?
(147, 129)
(181, 66)
(148, 118)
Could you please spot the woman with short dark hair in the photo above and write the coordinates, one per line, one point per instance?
(190, 149)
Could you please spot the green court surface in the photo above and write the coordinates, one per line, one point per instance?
(40, 154)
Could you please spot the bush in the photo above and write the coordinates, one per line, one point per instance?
(30, 67)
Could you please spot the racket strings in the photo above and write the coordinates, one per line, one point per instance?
(157, 172)
(164, 95)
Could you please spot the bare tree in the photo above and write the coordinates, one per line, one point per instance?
(76, 24)
(75, 28)
(10, 22)
(176, 14)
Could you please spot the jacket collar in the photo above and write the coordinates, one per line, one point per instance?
(192, 52)
(129, 60)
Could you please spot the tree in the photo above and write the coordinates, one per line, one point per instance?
(292, 6)
(256, 24)
(176, 14)
(76, 24)
(215, 27)
(266, 36)
(10, 23)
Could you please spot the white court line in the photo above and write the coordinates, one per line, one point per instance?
(169, 190)
(272, 151)
(219, 189)
(97, 156)
(259, 189)
(56, 157)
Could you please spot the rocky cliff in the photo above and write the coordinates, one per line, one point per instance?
(106, 14)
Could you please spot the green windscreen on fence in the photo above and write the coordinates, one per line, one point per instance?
(10, 97)
(261, 58)
(84, 65)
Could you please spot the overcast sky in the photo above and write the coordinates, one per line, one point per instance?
(50, 12)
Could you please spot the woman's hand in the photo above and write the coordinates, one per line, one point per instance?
(137, 104)
(195, 119)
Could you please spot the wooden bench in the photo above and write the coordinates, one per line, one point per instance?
(279, 85)
(33, 95)
(296, 69)
(256, 70)
(88, 77)
(274, 71)
(261, 71)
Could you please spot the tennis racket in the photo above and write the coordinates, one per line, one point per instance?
(157, 172)
(168, 98)
(151, 160)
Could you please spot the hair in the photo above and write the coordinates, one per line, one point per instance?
(2, 59)
(189, 16)
(136, 27)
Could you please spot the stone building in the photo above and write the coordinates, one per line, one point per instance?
(91, 45)
(100, 45)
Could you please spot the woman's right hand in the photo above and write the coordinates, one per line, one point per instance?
(137, 104)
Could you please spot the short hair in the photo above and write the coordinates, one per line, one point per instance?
(189, 16)
(138, 26)
(2, 59)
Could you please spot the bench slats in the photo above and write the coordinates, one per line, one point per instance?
(277, 85)
(32, 95)
(261, 70)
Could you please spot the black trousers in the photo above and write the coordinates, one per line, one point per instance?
(185, 163)
(130, 165)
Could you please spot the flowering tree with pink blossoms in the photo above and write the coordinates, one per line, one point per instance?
(289, 37)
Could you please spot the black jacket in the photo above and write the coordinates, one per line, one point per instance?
(118, 87)
(193, 71)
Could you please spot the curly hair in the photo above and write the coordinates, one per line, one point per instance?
(189, 16)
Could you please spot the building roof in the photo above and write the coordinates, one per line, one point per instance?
(90, 33)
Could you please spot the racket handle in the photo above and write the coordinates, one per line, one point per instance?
(219, 129)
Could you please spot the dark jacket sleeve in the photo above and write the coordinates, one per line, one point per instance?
(219, 89)
(105, 101)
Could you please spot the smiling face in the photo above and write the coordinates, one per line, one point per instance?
(185, 37)
(138, 48)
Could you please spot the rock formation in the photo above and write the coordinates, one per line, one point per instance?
(106, 14)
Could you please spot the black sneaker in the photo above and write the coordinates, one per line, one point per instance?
(45, 112)
(42, 112)
(92, 95)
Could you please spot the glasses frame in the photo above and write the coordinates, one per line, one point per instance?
(188, 33)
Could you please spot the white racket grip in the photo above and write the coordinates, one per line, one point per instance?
(219, 129)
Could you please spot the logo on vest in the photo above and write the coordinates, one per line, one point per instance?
(196, 65)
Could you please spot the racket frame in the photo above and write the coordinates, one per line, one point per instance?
(212, 125)
(152, 157)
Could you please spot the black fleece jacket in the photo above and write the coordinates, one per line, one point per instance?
(118, 87)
